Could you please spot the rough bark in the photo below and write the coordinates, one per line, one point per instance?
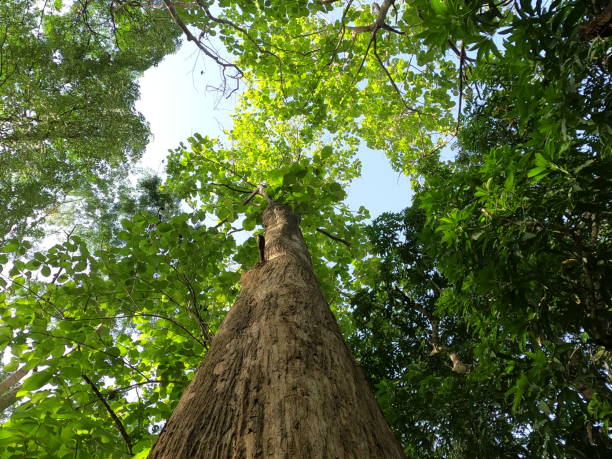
(278, 380)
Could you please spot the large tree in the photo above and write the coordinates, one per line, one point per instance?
(517, 329)
(278, 379)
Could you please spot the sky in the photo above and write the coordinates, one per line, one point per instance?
(178, 100)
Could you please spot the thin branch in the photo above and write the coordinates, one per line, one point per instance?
(342, 32)
(225, 220)
(335, 238)
(140, 314)
(79, 343)
(235, 26)
(250, 196)
(442, 145)
(378, 24)
(461, 72)
(365, 56)
(397, 90)
(458, 53)
(36, 294)
(230, 187)
(112, 414)
(194, 309)
(144, 383)
(435, 336)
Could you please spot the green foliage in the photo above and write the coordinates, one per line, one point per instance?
(134, 318)
(480, 314)
(518, 228)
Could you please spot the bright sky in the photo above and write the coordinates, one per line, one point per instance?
(177, 103)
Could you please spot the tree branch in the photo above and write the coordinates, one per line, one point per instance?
(397, 90)
(112, 414)
(260, 190)
(435, 334)
(224, 64)
(378, 24)
(129, 316)
(230, 187)
(335, 238)
(12, 379)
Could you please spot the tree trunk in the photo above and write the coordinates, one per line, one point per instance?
(278, 380)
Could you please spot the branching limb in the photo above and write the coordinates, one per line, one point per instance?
(236, 27)
(112, 414)
(458, 53)
(461, 76)
(435, 333)
(244, 32)
(129, 316)
(342, 32)
(261, 191)
(223, 63)
(373, 28)
(379, 22)
(194, 308)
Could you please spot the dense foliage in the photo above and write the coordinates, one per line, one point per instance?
(481, 314)
(67, 91)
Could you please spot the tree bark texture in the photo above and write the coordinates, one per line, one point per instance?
(278, 380)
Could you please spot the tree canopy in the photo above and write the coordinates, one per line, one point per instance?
(67, 89)
(480, 314)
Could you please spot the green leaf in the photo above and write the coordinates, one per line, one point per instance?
(326, 152)
(439, 6)
(536, 171)
(249, 224)
(36, 380)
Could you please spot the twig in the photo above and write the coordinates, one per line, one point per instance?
(225, 220)
(79, 343)
(339, 42)
(112, 414)
(435, 334)
(235, 26)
